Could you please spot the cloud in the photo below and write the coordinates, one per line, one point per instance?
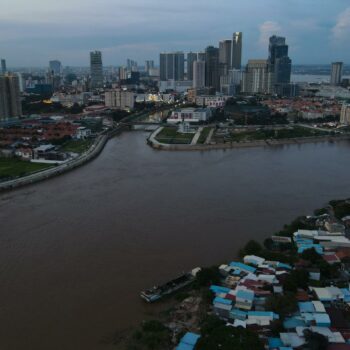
(267, 29)
(341, 30)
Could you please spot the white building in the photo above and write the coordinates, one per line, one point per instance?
(190, 115)
(82, 133)
(119, 99)
(345, 114)
(211, 101)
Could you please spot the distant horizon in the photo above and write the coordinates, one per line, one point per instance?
(315, 30)
(157, 65)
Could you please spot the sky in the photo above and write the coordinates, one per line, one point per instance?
(32, 32)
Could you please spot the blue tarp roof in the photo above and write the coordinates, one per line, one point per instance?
(263, 313)
(241, 266)
(237, 312)
(306, 306)
(183, 346)
(222, 301)
(245, 294)
(190, 338)
(284, 266)
(275, 343)
(293, 322)
(188, 341)
(322, 319)
(346, 294)
(219, 289)
(317, 247)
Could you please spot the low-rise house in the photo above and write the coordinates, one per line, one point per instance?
(243, 267)
(328, 294)
(25, 153)
(253, 260)
(188, 341)
(244, 299)
(41, 151)
(82, 133)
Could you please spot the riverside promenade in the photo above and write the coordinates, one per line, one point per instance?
(91, 153)
(154, 143)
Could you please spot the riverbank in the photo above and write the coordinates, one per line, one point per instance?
(154, 143)
(90, 154)
(264, 295)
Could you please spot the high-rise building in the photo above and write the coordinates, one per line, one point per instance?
(231, 82)
(191, 57)
(3, 66)
(336, 73)
(236, 50)
(256, 77)
(123, 73)
(198, 74)
(345, 114)
(119, 99)
(201, 56)
(10, 98)
(96, 69)
(225, 48)
(212, 74)
(55, 67)
(172, 66)
(280, 65)
(132, 65)
(149, 65)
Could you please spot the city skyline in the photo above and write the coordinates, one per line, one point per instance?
(317, 31)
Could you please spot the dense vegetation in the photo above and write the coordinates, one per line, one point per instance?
(215, 335)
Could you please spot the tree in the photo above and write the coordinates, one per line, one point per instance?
(207, 276)
(282, 304)
(311, 255)
(315, 341)
(215, 335)
(251, 248)
(296, 279)
(152, 335)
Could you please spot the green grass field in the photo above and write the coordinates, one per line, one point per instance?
(262, 134)
(171, 136)
(204, 134)
(77, 146)
(13, 167)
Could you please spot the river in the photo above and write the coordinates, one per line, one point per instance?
(77, 249)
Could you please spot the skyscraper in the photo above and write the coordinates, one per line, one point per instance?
(256, 77)
(225, 52)
(198, 74)
(10, 98)
(149, 65)
(55, 67)
(279, 62)
(96, 69)
(236, 50)
(336, 73)
(3, 66)
(212, 74)
(191, 57)
(201, 56)
(172, 66)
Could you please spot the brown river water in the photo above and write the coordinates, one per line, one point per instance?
(76, 250)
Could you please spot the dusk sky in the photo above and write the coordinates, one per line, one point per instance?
(34, 31)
